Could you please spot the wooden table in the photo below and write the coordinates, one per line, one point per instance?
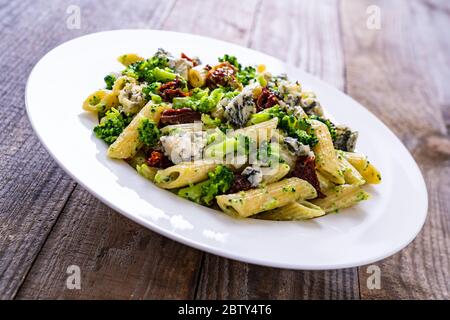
(401, 72)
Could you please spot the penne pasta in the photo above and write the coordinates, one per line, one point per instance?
(275, 195)
(342, 196)
(234, 137)
(183, 174)
(275, 173)
(367, 170)
(129, 58)
(197, 76)
(351, 175)
(128, 143)
(146, 171)
(301, 210)
(100, 101)
(325, 184)
(326, 159)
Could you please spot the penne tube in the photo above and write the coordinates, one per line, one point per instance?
(146, 171)
(325, 184)
(129, 58)
(100, 101)
(197, 76)
(247, 203)
(301, 210)
(326, 159)
(351, 175)
(342, 196)
(183, 174)
(275, 173)
(367, 170)
(128, 143)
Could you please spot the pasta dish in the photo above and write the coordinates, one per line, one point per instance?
(230, 137)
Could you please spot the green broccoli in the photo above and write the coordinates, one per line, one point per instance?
(299, 129)
(230, 59)
(200, 100)
(151, 92)
(219, 182)
(244, 75)
(330, 125)
(149, 133)
(266, 114)
(153, 69)
(109, 80)
(112, 125)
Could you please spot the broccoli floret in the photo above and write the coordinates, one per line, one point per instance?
(194, 192)
(266, 114)
(219, 182)
(246, 75)
(154, 69)
(231, 59)
(329, 124)
(149, 133)
(109, 80)
(151, 92)
(210, 122)
(112, 125)
(200, 100)
(298, 128)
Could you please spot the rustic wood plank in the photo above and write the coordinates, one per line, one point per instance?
(117, 258)
(34, 190)
(306, 34)
(400, 73)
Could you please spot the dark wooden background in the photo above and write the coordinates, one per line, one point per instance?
(400, 72)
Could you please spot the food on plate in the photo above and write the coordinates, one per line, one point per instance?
(230, 137)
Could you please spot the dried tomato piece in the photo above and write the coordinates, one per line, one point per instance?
(223, 74)
(240, 183)
(178, 116)
(266, 99)
(158, 159)
(194, 61)
(305, 168)
(170, 90)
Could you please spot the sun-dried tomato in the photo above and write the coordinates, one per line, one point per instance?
(158, 159)
(266, 99)
(178, 116)
(223, 74)
(194, 61)
(170, 90)
(305, 168)
(240, 183)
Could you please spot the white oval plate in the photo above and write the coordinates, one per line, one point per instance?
(366, 233)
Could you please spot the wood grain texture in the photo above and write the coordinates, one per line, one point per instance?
(399, 72)
(118, 259)
(285, 38)
(33, 189)
(48, 223)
